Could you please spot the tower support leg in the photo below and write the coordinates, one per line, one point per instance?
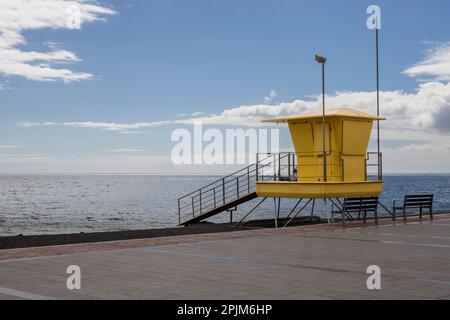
(300, 211)
(279, 208)
(296, 206)
(312, 209)
(276, 212)
(251, 211)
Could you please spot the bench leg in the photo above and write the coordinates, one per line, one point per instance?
(376, 217)
(394, 214)
(421, 213)
(431, 213)
(404, 214)
(343, 216)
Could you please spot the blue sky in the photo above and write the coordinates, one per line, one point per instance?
(151, 61)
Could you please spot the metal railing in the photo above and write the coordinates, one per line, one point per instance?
(378, 165)
(286, 167)
(219, 193)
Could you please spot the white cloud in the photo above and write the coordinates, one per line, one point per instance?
(133, 132)
(432, 158)
(194, 114)
(426, 109)
(125, 150)
(10, 147)
(427, 147)
(436, 64)
(18, 16)
(116, 127)
(273, 94)
(29, 124)
(125, 128)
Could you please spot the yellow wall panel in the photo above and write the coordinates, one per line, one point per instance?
(303, 137)
(318, 135)
(354, 168)
(356, 135)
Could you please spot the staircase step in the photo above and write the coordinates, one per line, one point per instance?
(220, 209)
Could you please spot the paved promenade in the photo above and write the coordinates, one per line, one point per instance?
(312, 262)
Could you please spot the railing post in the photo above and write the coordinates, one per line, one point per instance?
(215, 204)
(380, 167)
(248, 179)
(274, 167)
(365, 170)
(294, 166)
(289, 166)
(223, 190)
(237, 187)
(179, 212)
(262, 169)
(279, 166)
(201, 211)
(257, 167)
(193, 209)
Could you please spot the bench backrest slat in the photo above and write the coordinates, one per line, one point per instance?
(419, 197)
(360, 204)
(418, 200)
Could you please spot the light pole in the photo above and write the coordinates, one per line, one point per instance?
(380, 173)
(374, 22)
(322, 61)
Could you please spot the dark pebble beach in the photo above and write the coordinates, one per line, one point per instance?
(20, 241)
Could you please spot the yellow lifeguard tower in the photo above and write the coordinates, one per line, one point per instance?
(314, 171)
(338, 170)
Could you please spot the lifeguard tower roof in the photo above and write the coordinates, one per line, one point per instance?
(331, 113)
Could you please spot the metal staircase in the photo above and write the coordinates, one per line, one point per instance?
(219, 196)
(231, 191)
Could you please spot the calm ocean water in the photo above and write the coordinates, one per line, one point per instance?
(72, 204)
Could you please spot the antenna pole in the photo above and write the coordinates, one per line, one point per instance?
(324, 141)
(322, 61)
(380, 174)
